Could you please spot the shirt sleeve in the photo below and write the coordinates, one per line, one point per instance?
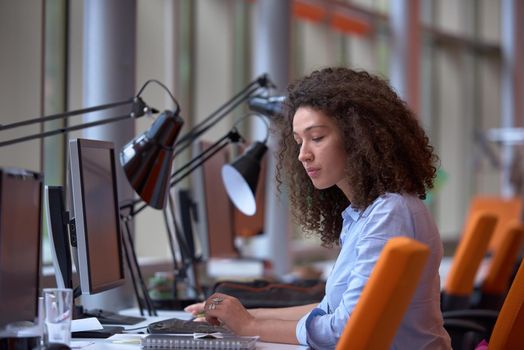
(323, 329)
(301, 332)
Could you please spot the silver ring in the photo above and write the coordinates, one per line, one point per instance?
(211, 306)
(217, 300)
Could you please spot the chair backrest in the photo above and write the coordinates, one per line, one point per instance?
(497, 279)
(508, 332)
(469, 254)
(507, 210)
(385, 298)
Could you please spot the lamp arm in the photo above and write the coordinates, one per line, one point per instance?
(185, 141)
(201, 128)
(170, 236)
(65, 114)
(63, 130)
(177, 110)
(139, 109)
(262, 117)
(232, 135)
(137, 100)
(198, 161)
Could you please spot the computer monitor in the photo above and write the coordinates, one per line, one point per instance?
(93, 231)
(215, 210)
(218, 221)
(57, 228)
(20, 241)
(96, 215)
(187, 209)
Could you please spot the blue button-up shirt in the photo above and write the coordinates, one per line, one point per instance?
(364, 234)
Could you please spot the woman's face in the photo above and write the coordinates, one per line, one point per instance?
(322, 150)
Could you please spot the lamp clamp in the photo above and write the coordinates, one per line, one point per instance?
(140, 108)
(234, 136)
(265, 82)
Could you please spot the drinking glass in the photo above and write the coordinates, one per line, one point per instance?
(58, 308)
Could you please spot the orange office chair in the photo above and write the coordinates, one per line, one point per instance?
(384, 300)
(498, 277)
(468, 256)
(508, 329)
(507, 210)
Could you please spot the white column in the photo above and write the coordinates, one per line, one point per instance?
(55, 60)
(512, 76)
(271, 56)
(405, 51)
(109, 76)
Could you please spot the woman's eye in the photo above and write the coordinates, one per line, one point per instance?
(316, 139)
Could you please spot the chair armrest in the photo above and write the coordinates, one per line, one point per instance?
(463, 326)
(464, 334)
(472, 314)
(484, 317)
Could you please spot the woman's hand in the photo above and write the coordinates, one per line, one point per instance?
(222, 309)
(197, 310)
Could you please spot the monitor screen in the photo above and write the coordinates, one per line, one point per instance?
(20, 234)
(96, 215)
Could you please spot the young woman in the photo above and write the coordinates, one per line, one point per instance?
(356, 165)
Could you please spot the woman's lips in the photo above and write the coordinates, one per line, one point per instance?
(313, 172)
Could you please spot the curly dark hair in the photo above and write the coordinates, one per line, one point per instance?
(387, 150)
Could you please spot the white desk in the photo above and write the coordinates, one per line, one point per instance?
(104, 344)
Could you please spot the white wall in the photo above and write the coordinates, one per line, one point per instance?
(20, 79)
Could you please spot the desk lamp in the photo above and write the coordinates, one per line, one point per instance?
(147, 159)
(241, 177)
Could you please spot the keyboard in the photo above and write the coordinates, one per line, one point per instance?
(108, 317)
(178, 326)
(106, 332)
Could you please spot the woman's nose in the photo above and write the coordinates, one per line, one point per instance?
(305, 154)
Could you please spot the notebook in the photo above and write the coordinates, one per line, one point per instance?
(166, 341)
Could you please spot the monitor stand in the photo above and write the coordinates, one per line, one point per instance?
(111, 318)
(112, 322)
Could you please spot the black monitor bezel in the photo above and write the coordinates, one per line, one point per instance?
(78, 192)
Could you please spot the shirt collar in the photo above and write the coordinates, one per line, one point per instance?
(351, 213)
